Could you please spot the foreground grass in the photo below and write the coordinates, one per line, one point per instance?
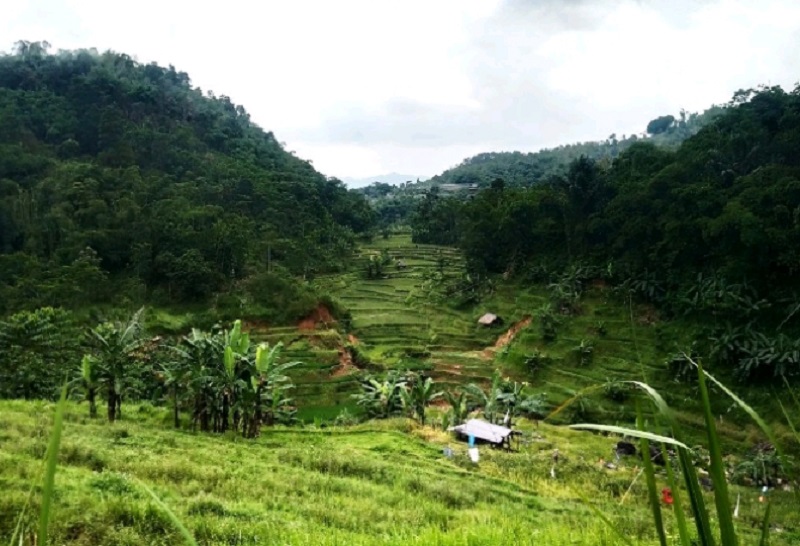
(379, 483)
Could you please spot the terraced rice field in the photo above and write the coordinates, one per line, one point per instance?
(395, 324)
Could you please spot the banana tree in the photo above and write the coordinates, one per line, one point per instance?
(458, 404)
(114, 344)
(202, 353)
(174, 376)
(487, 400)
(270, 383)
(418, 395)
(88, 382)
(381, 398)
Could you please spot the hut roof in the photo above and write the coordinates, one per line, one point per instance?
(488, 318)
(483, 430)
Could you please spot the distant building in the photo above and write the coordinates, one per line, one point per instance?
(490, 319)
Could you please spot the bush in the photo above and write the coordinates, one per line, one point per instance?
(537, 360)
(278, 297)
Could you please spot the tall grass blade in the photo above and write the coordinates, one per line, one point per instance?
(677, 503)
(21, 518)
(605, 519)
(630, 487)
(657, 399)
(696, 501)
(757, 418)
(187, 536)
(631, 432)
(741, 403)
(721, 499)
(50, 469)
(789, 420)
(650, 477)
(765, 527)
(572, 400)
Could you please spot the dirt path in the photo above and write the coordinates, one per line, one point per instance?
(508, 337)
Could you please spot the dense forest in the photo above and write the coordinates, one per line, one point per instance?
(121, 182)
(710, 230)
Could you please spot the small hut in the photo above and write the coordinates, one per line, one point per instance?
(485, 432)
(490, 319)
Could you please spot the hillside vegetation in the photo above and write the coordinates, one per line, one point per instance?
(290, 375)
(708, 232)
(519, 169)
(121, 182)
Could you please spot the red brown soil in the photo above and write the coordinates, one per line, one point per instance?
(647, 316)
(254, 326)
(319, 315)
(508, 337)
(353, 339)
(346, 365)
(512, 332)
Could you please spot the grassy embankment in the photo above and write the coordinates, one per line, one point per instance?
(378, 483)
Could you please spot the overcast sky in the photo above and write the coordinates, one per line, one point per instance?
(369, 87)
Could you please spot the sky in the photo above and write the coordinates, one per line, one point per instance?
(365, 87)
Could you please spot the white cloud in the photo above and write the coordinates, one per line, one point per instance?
(362, 87)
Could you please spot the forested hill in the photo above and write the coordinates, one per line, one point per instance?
(519, 169)
(709, 231)
(112, 169)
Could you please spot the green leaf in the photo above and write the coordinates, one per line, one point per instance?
(631, 432)
(650, 477)
(50, 470)
(187, 536)
(765, 527)
(724, 511)
(677, 504)
(698, 505)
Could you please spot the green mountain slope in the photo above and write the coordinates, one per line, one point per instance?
(110, 169)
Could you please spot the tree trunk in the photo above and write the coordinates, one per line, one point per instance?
(112, 405)
(176, 417)
(90, 395)
(119, 406)
(237, 418)
(225, 411)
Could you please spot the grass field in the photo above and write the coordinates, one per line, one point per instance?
(378, 483)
